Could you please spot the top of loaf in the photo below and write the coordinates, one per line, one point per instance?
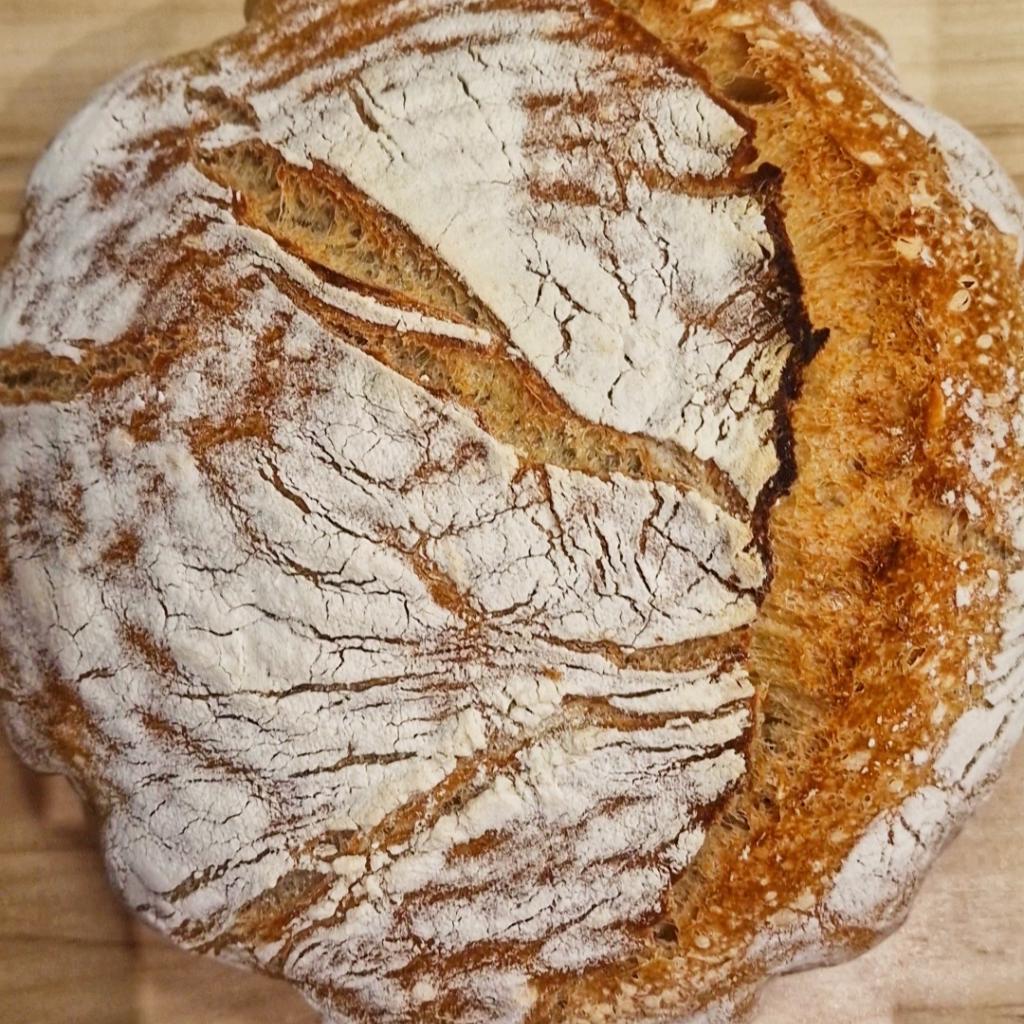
(396, 398)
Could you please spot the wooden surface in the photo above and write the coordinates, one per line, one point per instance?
(68, 955)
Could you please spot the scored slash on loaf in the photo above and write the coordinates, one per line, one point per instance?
(496, 516)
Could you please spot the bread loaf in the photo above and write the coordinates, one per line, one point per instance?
(512, 510)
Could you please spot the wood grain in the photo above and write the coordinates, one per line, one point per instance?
(70, 955)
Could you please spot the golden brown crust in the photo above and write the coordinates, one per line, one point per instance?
(861, 647)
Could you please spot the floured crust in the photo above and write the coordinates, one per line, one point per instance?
(437, 544)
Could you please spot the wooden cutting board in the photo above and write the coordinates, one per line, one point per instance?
(69, 955)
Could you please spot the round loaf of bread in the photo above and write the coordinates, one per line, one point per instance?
(512, 509)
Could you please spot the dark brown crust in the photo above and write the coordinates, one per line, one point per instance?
(807, 343)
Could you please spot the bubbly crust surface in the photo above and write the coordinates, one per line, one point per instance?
(511, 511)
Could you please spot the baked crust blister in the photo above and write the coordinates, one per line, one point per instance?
(438, 536)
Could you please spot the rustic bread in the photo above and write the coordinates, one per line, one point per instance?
(511, 509)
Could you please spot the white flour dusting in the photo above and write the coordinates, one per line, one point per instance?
(383, 601)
